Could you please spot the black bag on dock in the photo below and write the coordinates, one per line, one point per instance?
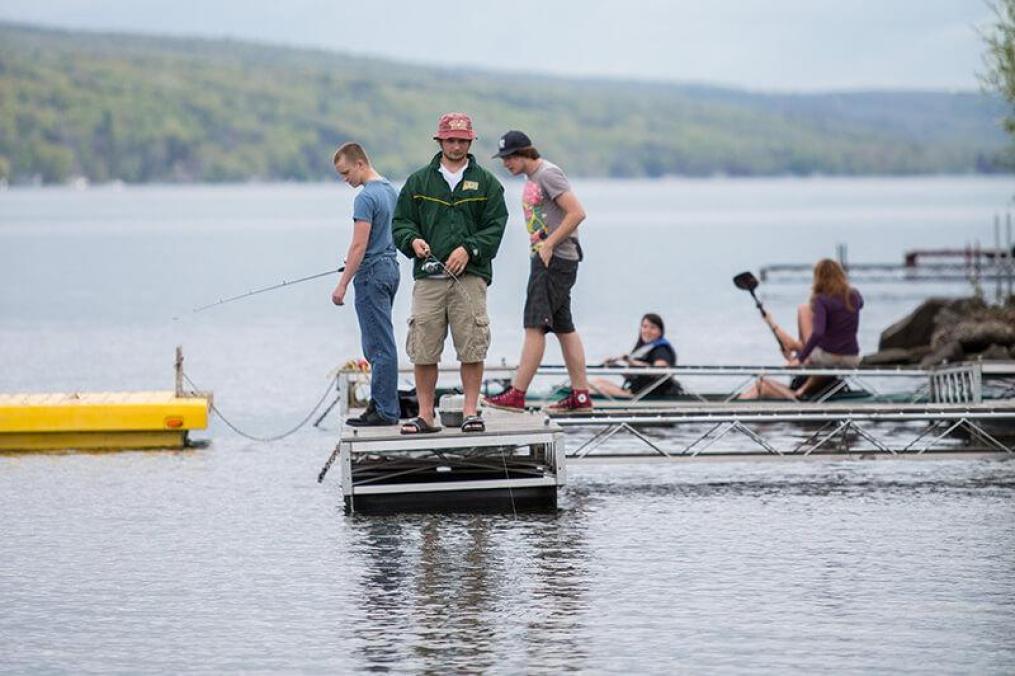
(408, 404)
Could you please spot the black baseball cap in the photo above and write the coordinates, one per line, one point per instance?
(512, 142)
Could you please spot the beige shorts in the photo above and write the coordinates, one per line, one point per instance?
(440, 303)
(819, 357)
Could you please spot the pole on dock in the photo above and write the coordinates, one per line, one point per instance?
(1009, 252)
(1000, 260)
(179, 371)
(840, 252)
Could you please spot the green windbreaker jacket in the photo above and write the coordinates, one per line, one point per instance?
(473, 216)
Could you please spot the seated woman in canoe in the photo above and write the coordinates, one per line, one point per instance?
(827, 326)
(651, 349)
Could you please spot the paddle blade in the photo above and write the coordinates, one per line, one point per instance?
(746, 281)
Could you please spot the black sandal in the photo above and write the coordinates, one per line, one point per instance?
(473, 423)
(418, 426)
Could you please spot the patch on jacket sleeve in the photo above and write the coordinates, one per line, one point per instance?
(470, 185)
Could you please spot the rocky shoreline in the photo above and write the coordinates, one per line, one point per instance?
(947, 331)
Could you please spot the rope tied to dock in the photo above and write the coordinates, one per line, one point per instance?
(276, 437)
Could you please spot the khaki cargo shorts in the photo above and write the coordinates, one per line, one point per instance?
(441, 303)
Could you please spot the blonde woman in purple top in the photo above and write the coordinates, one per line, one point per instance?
(827, 327)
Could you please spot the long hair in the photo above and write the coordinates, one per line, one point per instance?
(830, 279)
(653, 318)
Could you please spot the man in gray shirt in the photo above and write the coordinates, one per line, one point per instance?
(552, 215)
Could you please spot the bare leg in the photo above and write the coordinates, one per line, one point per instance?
(574, 359)
(773, 389)
(532, 355)
(804, 323)
(426, 385)
(750, 393)
(768, 389)
(814, 385)
(604, 386)
(472, 379)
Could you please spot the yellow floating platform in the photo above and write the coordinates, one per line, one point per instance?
(99, 420)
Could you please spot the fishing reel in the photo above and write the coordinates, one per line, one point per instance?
(432, 266)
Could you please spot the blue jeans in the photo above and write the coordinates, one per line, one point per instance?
(375, 283)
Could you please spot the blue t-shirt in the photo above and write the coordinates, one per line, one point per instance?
(375, 204)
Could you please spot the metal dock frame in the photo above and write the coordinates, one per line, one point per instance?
(834, 422)
(949, 401)
(946, 401)
(746, 375)
(519, 462)
(861, 378)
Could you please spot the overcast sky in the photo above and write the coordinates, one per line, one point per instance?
(804, 45)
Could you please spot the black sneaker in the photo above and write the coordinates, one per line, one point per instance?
(370, 418)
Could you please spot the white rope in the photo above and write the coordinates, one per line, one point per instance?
(276, 437)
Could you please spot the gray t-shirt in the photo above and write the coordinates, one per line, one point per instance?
(375, 203)
(542, 215)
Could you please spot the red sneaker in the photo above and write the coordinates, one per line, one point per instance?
(508, 400)
(577, 400)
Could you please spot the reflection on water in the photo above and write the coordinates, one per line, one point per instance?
(475, 593)
(233, 558)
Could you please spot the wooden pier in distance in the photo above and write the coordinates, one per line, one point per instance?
(517, 464)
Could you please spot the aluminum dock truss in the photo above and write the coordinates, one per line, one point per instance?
(943, 410)
(894, 411)
(774, 429)
(517, 464)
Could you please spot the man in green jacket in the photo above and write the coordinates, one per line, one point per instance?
(449, 218)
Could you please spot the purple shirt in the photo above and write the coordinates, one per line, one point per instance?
(835, 325)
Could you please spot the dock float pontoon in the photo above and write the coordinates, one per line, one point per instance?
(517, 464)
(99, 420)
(103, 421)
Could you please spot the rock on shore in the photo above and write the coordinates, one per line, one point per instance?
(943, 331)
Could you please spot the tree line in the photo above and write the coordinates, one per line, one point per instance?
(152, 109)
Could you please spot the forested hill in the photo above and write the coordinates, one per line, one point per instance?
(142, 108)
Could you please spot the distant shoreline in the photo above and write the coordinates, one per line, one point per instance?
(148, 109)
(112, 186)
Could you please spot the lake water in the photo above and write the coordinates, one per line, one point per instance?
(233, 558)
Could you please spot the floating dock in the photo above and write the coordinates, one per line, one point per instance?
(962, 409)
(516, 464)
(99, 420)
(971, 263)
(833, 428)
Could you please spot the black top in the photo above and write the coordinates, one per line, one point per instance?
(638, 383)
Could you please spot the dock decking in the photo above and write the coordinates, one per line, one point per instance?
(517, 463)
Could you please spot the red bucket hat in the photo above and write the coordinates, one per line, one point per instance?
(455, 125)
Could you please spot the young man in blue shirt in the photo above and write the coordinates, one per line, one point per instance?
(372, 266)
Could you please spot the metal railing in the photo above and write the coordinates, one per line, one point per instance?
(959, 384)
(713, 382)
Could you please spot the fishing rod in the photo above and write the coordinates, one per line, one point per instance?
(267, 288)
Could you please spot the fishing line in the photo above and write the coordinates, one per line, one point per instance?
(507, 477)
(432, 264)
(331, 383)
(280, 285)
